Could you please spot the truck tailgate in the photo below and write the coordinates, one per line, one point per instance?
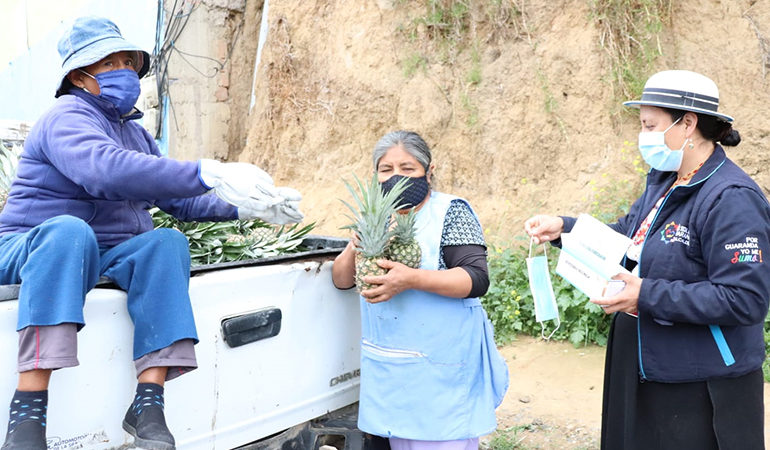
(300, 360)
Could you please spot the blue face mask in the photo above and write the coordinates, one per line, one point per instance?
(542, 291)
(655, 152)
(416, 190)
(119, 87)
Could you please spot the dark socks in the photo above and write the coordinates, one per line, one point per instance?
(26, 421)
(26, 406)
(147, 395)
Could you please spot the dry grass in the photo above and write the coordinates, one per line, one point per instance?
(301, 94)
(507, 19)
(764, 43)
(445, 28)
(629, 32)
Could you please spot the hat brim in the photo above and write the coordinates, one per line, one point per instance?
(638, 103)
(98, 51)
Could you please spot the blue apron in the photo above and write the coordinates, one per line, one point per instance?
(430, 369)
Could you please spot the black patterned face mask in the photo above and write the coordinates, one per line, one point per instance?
(415, 192)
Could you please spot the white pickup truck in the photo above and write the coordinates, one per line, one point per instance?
(278, 362)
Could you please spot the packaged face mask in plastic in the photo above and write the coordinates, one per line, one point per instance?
(542, 290)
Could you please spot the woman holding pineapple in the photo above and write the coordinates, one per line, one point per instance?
(431, 376)
(77, 210)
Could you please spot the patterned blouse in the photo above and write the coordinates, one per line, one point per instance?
(460, 228)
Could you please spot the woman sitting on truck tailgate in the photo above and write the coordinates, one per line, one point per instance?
(78, 210)
(431, 376)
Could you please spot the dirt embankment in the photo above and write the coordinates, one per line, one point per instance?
(522, 120)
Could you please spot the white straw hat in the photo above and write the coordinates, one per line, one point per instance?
(681, 89)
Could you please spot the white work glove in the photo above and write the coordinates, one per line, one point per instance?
(287, 211)
(239, 184)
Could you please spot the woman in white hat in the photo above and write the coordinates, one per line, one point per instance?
(78, 210)
(685, 351)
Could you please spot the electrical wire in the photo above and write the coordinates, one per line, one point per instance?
(165, 46)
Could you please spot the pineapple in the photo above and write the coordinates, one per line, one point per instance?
(260, 234)
(371, 223)
(403, 247)
(234, 240)
(9, 159)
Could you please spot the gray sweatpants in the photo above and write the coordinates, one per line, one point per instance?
(56, 347)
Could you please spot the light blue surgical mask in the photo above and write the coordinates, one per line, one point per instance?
(542, 290)
(120, 87)
(655, 152)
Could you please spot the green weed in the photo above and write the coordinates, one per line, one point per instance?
(444, 25)
(550, 103)
(447, 19)
(413, 63)
(506, 439)
(474, 76)
(470, 108)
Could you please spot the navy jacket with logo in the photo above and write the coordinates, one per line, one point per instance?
(703, 262)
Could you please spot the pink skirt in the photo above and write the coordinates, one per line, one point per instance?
(411, 444)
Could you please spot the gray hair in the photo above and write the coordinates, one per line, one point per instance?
(412, 143)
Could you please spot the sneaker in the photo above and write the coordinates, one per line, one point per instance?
(29, 435)
(148, 429)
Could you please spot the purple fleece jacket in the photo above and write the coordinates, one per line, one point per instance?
(82, 159)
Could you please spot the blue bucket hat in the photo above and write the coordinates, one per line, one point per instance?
(89, 40)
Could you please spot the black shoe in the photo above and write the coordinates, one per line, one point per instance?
(29, 435)
(148, 429)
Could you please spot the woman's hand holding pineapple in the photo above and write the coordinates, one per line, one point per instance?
(398, 278)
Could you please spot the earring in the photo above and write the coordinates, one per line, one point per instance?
(691, 145)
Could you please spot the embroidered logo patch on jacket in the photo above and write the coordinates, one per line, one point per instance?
(674, 232)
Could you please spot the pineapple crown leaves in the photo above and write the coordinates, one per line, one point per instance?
(234, 240)
(404, 229)
(9, 159)
(372, 211)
